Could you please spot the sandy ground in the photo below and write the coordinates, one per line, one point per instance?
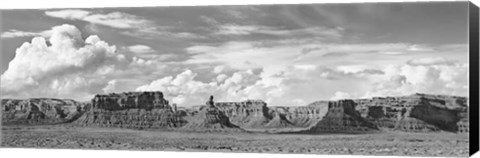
(390, 143)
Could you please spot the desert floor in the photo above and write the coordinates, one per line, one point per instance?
(389, 143)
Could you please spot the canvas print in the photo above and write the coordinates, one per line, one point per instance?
(343, 79)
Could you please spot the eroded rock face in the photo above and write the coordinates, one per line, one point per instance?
(341, 117)
(130, 100)
(463, 126)
(40, 111)
(246, 114)
(131, 110)
(414, 113)
(209, 118)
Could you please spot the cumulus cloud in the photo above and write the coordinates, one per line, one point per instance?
(340, 95)
(111, 86)
(361, 71)
(295, 87)
(185, 90)
(74, 67)
(220, 78)
(218, 69)
(433, 79)
(68, 66)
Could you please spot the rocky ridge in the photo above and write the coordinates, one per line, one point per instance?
(41, 111)
(209, 118)
(140, 110)
(137, 110)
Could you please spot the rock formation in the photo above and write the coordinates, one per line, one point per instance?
(246, 114)
(304, 116)
(209, 118)
(131, 110)
(414, 113)
(341, 117)
(40, 111)
(130, 100)
(279, 121)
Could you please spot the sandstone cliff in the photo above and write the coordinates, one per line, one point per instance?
(130, 100)
(414, 113)
(131, 110)
(341, 117)
(40, 111)
(304, 116)
(209, 118)
(246, 114)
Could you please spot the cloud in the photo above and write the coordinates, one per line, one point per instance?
(241, 12)
(140, 49)
(232, 29)
(431, 61)
(115, 19)
(340, 95)
(71, 14)
(129, 24)
(184, 90)
(155, 32)
(417, 47)
(220, 78)
(433, 79)
(293, 88)
(218, 69)
(360, 72)
(111, 86)
(67, 67)
(74, 67)
(16, 33)
(271, 55)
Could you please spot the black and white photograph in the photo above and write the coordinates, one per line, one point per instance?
(377, 79)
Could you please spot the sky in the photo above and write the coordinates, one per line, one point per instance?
(286, 55)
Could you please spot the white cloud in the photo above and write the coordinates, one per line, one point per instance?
(250, 55)
(417, 47)
(111, 86)
(141, 49)
(185, 90)
(67, 67)
(233, 29)
(71, 14)
(292, 88)
(218, 69)
(220, 78)
(361, 71)
(115, 19)
(16, 33)
(131, 25)
(433, 79)
(340, 95)
(431, 61)
(305, 67)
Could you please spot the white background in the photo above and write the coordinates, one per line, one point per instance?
(68, 153)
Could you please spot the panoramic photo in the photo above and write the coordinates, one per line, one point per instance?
(343, 79)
